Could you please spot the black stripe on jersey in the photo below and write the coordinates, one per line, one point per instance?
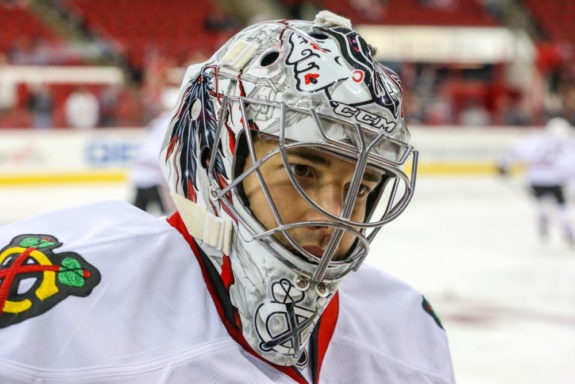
(219, 287)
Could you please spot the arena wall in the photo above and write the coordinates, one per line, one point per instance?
(104, 155)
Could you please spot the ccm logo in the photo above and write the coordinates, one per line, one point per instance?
(364, 117)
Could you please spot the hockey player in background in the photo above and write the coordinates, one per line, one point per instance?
(146, 178)
(549, 159)
(285, 157)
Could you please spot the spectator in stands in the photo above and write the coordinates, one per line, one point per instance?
(220, 20)
(302, 9)
(510, 112)
(438, 111)
(370, 9)
(16, 117)
(439, 4)
(17, 50)
(496, 8)
(33, 50)
(109, 101)
(82, 109)
(413, 105)
(474, 114)
(41, 105)
(7, 88)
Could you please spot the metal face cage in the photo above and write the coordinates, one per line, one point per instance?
(368, 149)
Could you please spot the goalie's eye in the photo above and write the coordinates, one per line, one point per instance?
(364, 190)
(302, 170)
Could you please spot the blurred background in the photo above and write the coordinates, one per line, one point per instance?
(82, 82)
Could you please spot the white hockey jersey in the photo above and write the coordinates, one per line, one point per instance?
(106, 293)
(145, 169)
(549, 159)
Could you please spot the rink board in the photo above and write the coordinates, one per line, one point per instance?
(467, 241)
(104, 155)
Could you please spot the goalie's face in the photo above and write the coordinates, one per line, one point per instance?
(324, 178)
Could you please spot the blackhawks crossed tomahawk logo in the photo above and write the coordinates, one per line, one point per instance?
(33, 278)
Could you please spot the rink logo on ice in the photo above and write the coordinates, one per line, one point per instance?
(33, 278)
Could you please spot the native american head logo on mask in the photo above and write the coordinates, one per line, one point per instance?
(338, 60)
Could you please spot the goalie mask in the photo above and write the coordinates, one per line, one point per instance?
(285, 157)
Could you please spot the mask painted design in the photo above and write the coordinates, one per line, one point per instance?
(298, 84)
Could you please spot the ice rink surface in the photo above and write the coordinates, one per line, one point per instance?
(506, 299)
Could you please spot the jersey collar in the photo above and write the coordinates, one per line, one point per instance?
(218, 286)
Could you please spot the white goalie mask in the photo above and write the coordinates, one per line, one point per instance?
(282, 113)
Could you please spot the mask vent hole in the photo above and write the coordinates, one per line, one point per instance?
(269, 58)
(318, 35)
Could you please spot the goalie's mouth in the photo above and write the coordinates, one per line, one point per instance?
(315, 250)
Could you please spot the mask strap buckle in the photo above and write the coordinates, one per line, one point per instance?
(204, 226)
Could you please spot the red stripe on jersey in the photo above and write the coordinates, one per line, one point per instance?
(227, 275)
(234, 331)
(326, 329)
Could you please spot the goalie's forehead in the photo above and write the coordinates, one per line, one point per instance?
(328, 160)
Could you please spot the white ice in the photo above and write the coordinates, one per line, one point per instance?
(470, 244)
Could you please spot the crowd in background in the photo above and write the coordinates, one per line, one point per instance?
(436, 94)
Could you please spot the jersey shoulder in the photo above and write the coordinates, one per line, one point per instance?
(86, 224)
(389, 319)
(102, 285)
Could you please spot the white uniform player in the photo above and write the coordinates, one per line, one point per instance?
(145, 173)
(285, 157)
(549, 158)
(145, 314)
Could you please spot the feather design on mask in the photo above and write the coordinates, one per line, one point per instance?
(194, 132)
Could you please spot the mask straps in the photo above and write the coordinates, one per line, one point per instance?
(204, 226)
